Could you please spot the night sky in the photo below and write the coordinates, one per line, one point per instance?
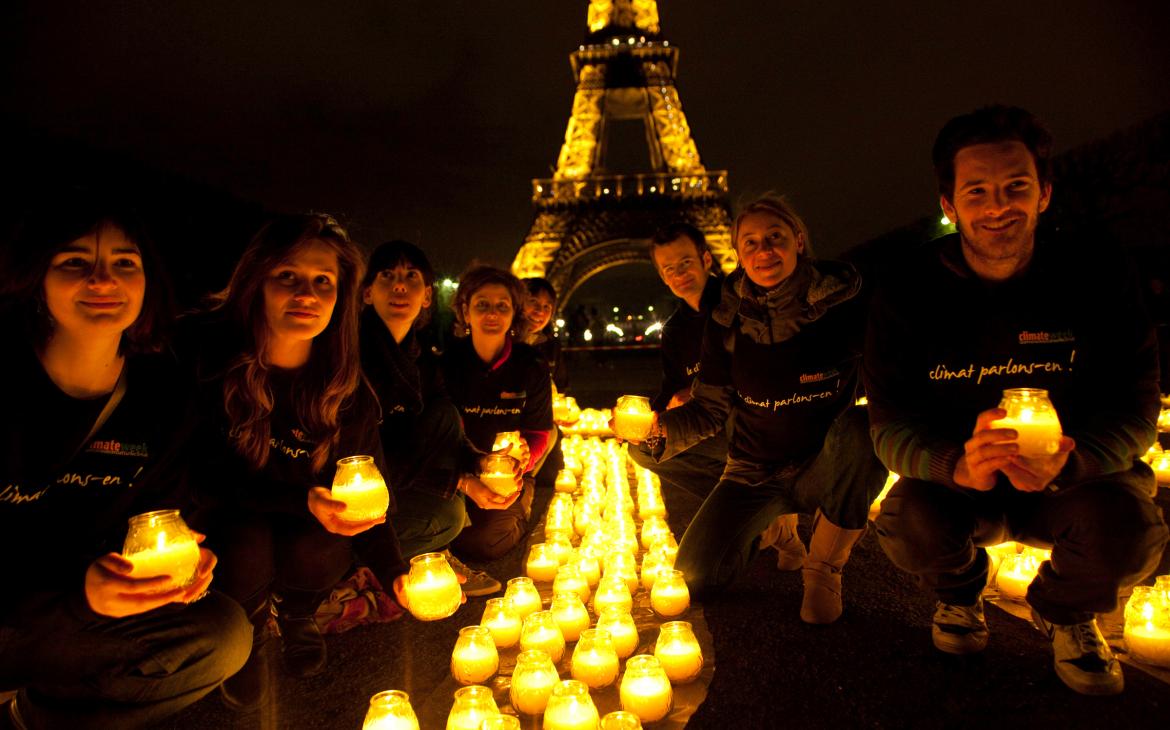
(426, 120)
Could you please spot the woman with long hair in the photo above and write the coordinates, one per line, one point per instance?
(781, 354)
(278, 356)
(539, 308)
(429, 458)
(499, 384)
(94, 418)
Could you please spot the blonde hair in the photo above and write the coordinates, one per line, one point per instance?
(776, 205)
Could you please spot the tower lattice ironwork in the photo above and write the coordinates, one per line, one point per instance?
(587, 219)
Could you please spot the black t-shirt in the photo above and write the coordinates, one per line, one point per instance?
(682, 343)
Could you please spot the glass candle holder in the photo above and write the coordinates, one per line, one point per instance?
(561, 546)
(542, 564)
(565, 482)
(670, 595)
(560, 408)
(645, 689)
(501, 722)
(509, 440)
(160, 543)
(621, 720)
(474, 659)
(570, 708)
(473, 705)
(586, 516)
(632, 418)
(432, 589)
(1147, 627)
(569, 579)
(1016, 573)
(524, 597)
(589, 566)
(570, 613)
(612, 592)
(390, 710)
(622, 629)
(622, 564)
(500, 617)
(651, 505)
(654, 563)
(540, 631)
(359, 484)
(533, 680)
(678, 651)
(560, 517)
(595, 660)
(653, 529)
(1032, 415)
(499, 474)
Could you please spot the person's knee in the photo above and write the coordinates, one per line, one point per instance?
(490, 542)
(1122, 529)
(913, 527)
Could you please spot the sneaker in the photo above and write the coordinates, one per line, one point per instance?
(1082, 657)
(478, 582)
(959, 629)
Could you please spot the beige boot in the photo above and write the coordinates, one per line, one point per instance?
(781, 534)
(828, 550)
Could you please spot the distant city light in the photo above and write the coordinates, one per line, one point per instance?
(615, 329)
(560, 322)
(450, 284)
(615, 309)
(945, 221)
(587, 335)
(650, 308)
(656, 327)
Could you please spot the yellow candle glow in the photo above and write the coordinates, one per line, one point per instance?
(645, 689)
(524, 596)
(432, 589)
(390, 710)
(474, 658)
(540, 631)
(654, 528)
(500, 617)
(589, 567)
(472, 706)
(1030, 413)
(670, 595)
(632, 418)
(542, 563)
(612, 592)
(499, 474)
(678, 651)
(1161, 467)
(160, 543)
(595, 661)
(621, 720)
(570, 708)
(1147, 626)
(359, 484)
(565, 482)
(570, 613)
(569, 579)
(1016, 573)
(509, 440)
(533, 681)
(620, 626)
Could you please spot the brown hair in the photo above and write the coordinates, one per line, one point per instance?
(778, 206)
(990, 124)
(333, 372)
(476, 278)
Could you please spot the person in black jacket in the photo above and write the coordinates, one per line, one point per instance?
(781, 354)
(279, 368)
(94, 417)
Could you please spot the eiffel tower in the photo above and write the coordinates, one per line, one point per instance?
(586, 219)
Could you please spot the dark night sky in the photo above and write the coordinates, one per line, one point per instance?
(426, 120)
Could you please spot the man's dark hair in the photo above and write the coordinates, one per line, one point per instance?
(671, 232)
(990, 124)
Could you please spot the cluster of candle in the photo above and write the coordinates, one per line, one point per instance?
(565, 409)
(589, 422)
(1147, 623)
(1017, 567)
(1159, 461)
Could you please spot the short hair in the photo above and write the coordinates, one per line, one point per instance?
(42, 234)
(671, 232)
(990, 124)
(776, 205)
(476, 278)
(540, 285)
(402, 253)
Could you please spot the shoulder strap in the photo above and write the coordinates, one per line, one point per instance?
(107, 410)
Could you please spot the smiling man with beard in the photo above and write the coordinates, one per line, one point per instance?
(1000, 306)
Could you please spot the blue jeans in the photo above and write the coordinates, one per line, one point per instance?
(695, 471)
(841, 480)
(127, 672)
(426, 522)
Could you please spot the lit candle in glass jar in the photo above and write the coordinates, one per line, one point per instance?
(589, 566)
(509, 440)
(655, 562)
(561, 546)
(542, 563)
(670, 596)
(645, 689)
(612, 591)
(619, 624)
(524, 596)
(474, 658)
(1147, 627)
(621, 720)
(432, 588)
(595, 660)
(678, 651)
(565, 482)
(569, 579)
(1161, 466)
(499, 474)
(390, 710)
(570, 708)
(1031, 414)
(533, 681)
(632, 418)
(473, 705)
(160, 543)
(500, 617)
(570, 613)
(540, 631)
(359, 484)
(1016, 573)
(654, 528)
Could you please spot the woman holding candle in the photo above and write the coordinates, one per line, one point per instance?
(278, 353)
(94, 416)
(429, 458)
(781, 354)
(499, 384)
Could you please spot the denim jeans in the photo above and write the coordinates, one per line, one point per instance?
(695, 471)
(1105, 535)
(841, 481)
(426, 522)
(127, 672)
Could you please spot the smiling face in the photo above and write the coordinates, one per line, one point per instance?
(489, 311)
(768, 248)
(398, 295)
(996, 206)
(683, 268)
(96, 284)
(300, 293)
(538, 310)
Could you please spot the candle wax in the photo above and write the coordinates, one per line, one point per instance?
(633, 425)
(365, 499)
(647, 697)
(571, 716)
(543, 569)
(595, 668)
(1013, 585)
(681, 660)
(669, 600)
(525, 601)
(1148, 643)
(505, 630)
(390, 722)
(178, 559)
(530, 690)
(550, 640)
(503, 484)
(474, 664)
(469, 719)
(434, 597)
(572, 622)
(1039, 433)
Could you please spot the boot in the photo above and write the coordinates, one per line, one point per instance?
(302, 645)
(828, 550)
(247, 689)
(781, 534)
